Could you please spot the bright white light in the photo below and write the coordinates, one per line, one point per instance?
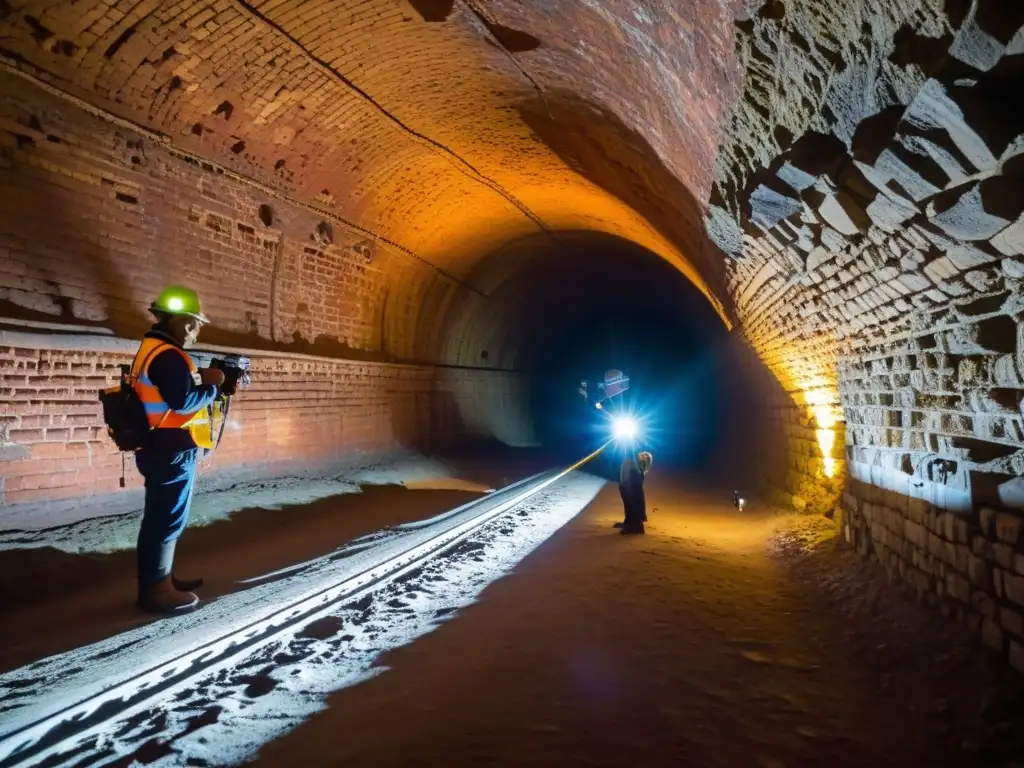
(624, 428)
(175, 304)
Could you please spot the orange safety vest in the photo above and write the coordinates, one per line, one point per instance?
(158, 413)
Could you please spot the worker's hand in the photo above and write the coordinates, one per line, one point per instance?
(212, 376)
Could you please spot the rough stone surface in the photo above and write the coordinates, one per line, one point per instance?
(900, 314)
(938, 565)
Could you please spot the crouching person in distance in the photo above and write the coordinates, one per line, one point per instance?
(178, 400)
(631, 488)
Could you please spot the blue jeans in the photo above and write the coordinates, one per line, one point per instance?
(170, 479)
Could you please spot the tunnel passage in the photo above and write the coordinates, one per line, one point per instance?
(568, 307)
(349, 188)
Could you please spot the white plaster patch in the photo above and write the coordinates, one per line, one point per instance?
(724, 230)
(933, 108)
(834, 213)
(892, 167)
(1011, 240)
(973, 45)
(967, 218)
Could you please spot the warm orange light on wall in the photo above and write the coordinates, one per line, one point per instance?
(821, 401)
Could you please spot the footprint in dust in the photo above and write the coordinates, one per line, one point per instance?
(755, 656)
(799, 664)
(321, 629)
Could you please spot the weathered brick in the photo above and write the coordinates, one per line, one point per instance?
(915, 534)
(1017, 656)
(1011, 621)
(1003, 555)
(992, 635)
(983, 604)
(979, 573)
(916, 509)
(1014, 587)
(986, 519)
(958, 587)
(1008, 527)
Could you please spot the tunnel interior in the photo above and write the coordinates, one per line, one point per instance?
(797, 226)
(568, 307)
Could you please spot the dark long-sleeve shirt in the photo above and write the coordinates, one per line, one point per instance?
(170, 375)
(630, 473)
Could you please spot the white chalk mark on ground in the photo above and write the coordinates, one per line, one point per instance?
(224, 717)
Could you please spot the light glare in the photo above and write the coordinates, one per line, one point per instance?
(624, 428)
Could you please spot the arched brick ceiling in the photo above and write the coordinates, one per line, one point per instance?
(531, 296)
(447, 127)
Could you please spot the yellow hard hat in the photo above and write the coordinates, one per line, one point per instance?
(178, 300)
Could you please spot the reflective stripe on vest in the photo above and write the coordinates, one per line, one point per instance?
(158, 413)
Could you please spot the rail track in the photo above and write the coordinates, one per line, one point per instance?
(58, 730)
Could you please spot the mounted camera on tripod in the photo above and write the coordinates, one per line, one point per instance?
(236, 372)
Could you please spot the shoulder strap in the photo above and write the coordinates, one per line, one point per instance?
(153, 353)
(159, 348)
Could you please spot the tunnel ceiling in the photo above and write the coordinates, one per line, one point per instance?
(532, 296)
(447, 127)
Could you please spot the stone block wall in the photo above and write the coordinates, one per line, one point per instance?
(969, 566)
(877, 247)
(870, 193)
(790, 459)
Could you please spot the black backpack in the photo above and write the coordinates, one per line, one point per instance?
(123, 411)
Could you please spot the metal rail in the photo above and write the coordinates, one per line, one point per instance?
(60, 732)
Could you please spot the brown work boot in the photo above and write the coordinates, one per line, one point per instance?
(185, 585)
(162, 597)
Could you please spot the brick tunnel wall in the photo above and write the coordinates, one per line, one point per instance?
(302, 413)
(340, 327)
(878, 245)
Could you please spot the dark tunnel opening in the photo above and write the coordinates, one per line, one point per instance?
(676, 392)
(566, 309)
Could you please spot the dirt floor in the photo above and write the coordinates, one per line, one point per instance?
(54, 601)
(719, 639)
(716, 640)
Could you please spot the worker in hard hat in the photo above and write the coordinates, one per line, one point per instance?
(632, 472)
(178, 399)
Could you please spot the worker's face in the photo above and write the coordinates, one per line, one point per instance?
(192, 328)
(185, 330)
